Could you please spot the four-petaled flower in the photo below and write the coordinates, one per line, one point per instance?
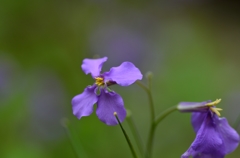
(215, 137)
(107, 101)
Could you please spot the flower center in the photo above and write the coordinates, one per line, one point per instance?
(99, 81)
(212, 106)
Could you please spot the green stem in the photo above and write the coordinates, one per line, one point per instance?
(150, 141)
(159, 118)
(126, 137)
(135, 134)
(143, 86)
(149, 79)
(162, 115)
(152, 127)
(154, 121)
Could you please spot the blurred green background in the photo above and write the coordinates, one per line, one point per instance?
(192, 48)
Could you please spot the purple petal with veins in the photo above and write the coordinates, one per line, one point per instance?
(208, 142)
(82, 104)
(108, 103)
(197, 120)
(124, 75)
(229, 136)
(93, 66)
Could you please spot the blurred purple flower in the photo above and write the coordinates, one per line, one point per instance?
(46, 102)
(122, 42)
(215, 137)
(107, 101)
(119, 42)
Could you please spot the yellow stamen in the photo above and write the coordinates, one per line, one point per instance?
(214, 102)
(99, 81)
(215, 110)
(212, 107)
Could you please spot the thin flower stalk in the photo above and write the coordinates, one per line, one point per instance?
(126, 136)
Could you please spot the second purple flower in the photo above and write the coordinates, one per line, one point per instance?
(215, 138)
(107, 101)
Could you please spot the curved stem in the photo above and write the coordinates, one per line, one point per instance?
(159, 118)
(126, 136)
(143, 86)
(162, 115)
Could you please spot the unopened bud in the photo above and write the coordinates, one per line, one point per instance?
(149, 75)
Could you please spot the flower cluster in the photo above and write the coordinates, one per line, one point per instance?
(107, 101)
(215, 138)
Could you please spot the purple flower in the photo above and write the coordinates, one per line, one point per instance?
(215, 137)
(107, 100)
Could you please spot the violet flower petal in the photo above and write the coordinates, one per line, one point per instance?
(124, 75)
(228, 134)
(208, 142)
(197, 120)
(93, 66)
(190, 152)
(82, 104)
(108, 103)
